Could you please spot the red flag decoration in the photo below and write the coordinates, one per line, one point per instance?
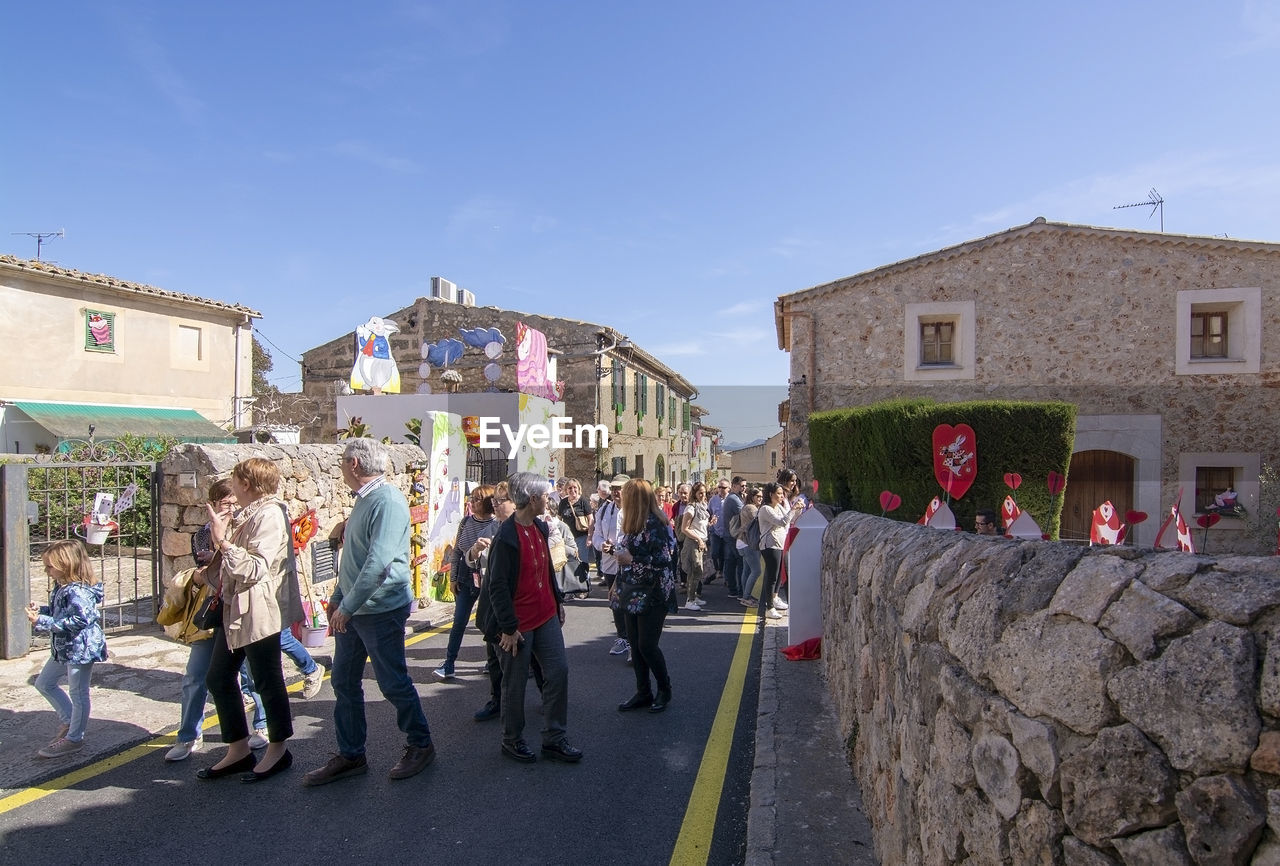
(955, 458)
(1106, 528)
(888, 501)
(1012, 480)
(1056, 481)
(1010, 511)
(1185, 544)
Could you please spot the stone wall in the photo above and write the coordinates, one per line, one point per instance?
(311, 477)
(1036, 702)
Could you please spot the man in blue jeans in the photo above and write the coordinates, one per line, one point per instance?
(368, 611)
(730, 512)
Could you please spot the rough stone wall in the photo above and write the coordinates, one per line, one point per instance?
(1036, 702)
(1061, 313)
(311, 477)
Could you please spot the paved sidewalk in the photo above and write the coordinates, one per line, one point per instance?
(805, 805)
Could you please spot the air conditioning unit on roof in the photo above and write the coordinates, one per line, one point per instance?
(467, 299)
(443, 289)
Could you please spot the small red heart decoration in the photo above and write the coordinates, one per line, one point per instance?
(1134, 517)
(1012, 480)
(889, 500)
(815, 487)
(1207, 520)
(1056, 482)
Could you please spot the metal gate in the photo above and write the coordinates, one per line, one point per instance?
(59, 495)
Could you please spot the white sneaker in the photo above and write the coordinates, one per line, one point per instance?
(619, 647)
(772, 613)
(780, 604)
(182, 751)
(692, 605)
(60, 747)
(258, 740)
(312, 682)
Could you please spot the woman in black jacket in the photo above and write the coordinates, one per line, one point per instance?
(521, 610)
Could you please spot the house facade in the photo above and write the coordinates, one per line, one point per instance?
(88, 349)
(645, 405)
(1169, 345)
(759, 464)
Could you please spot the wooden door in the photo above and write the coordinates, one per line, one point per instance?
(1094, 478)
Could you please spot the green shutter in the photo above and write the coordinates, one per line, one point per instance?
(99, 331)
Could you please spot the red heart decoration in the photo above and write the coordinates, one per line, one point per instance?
(1012, 480)
(815, 488)
(1133, 518)
(1057, 481)
(955, 458)
(889, 500)
(1207, 520)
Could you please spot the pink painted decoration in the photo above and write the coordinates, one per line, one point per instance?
(1012, 480)
(955, 458)
(1106, 528)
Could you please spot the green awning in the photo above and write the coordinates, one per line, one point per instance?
(72, 420)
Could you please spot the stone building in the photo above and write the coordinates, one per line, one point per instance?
(759, 463)
(645, 405)
(1169, 345)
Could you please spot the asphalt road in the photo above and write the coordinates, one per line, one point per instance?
(671, 787)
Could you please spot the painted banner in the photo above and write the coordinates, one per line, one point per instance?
(374, 369)
(534, 373)
(955, 458)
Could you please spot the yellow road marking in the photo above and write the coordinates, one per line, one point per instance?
(161, 741)
(693, 845)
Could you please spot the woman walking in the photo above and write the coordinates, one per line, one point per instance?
(464, 582)
(259, 595)
(695, 524)
(646, 590)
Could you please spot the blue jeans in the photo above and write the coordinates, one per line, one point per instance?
(379, 638)
(716, 545)
(73, 710)
(194, 692)
(547, 643)
(463, 601)
(293, 648)
(752, 566)
(732, 566)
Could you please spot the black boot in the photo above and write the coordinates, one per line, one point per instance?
(660, 702)
(636, 701)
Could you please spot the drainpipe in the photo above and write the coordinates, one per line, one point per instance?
(238, 399)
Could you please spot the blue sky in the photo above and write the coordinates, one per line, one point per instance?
(665, 168)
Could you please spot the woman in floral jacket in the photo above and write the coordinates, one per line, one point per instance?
(645, 590)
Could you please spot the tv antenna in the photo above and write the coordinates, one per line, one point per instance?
(40, 236)
(1154, 201)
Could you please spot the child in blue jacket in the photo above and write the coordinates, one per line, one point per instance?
(73, 621)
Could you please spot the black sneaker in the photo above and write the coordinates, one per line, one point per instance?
(490, 710)
(520, 751)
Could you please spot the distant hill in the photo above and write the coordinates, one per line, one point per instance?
(735, 446)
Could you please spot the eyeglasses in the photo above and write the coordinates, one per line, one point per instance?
(498, 501)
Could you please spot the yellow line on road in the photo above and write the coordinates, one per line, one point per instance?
(97, 768)
(693, 845)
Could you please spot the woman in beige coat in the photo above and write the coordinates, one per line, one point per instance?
(259, 595)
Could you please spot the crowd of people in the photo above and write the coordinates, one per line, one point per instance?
(522, 547)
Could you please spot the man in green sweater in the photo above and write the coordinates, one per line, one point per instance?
(368, 611)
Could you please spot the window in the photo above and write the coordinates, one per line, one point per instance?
(659, 471)
(99, 331)
(619, 466)
(939, 341)
(189, 347)
(618, 385)
(671, 415)
(1210, 482)
(773, 459)
(639, 467)
(1218, 331)
(660, 400)
(935, 342)
(688, 415)
(642, 394)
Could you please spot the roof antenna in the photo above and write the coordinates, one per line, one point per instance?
(40, 236)
(1153, 201)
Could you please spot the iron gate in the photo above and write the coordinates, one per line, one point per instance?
(59, 495)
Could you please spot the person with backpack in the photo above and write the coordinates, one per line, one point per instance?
(748, 544)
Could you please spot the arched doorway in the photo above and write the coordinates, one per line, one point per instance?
(659, 471)
(1094, 478)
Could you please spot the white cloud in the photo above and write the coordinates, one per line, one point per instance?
(792, 246)
(678, 349)
(743, 308)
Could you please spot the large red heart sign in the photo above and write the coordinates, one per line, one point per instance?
(955, 458)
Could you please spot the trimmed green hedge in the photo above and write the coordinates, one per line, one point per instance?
(859, 452)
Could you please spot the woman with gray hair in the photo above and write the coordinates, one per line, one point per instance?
(522, 610)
